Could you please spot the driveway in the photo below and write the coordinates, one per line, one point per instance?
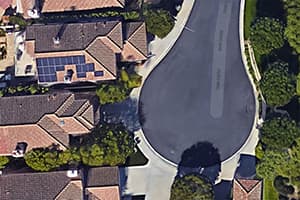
(200, 91)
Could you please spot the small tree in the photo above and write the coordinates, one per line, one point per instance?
(3, 161)
(277, 84)
(42, 159)
(92, 155)
(159, 22)
(279, 133)
(111, 93)
(266, 35)
(192, 187)
(292, 31)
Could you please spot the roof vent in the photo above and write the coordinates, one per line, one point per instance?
(20, 150)
(62, 122)
(56, 40)
(33, 13)
(72, 173)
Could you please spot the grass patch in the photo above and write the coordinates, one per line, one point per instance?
(250, 14)
(136, 159)
(269, 191)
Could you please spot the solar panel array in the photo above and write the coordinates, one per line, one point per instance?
(47, 67)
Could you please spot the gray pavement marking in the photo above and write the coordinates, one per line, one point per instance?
(219, 61)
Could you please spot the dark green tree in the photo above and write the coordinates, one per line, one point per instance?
(279, 133)
(92, 155)
(3, 161)
(272, 164)
(292, 31)
(118, 145)
(42, 159)
(159, 22)
(277, 85)
(266, 35)
(112, 93)
(192, 187)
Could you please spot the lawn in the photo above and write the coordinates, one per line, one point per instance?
(250, 14)
(136, 159)
(269, 191)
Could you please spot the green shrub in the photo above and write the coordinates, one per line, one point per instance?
(3, 161)
(159, 22)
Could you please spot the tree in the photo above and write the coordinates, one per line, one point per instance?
(272, 164)
(118, 146)
(111, 93)
(192, 187)
(159, 22)
(132, 80)
(92, 155)
(3, 161)
(279, 133)
(292, 31)
(266, 35)
(42, 159)
(277, 84)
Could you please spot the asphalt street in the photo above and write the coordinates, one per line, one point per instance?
(200, 91)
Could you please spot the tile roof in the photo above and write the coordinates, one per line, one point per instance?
(91, 50)
(33, 135)
(82, 33)
(247, 189)
(104, 193)
(5, 3)
(43, 120)
(103, 176)
(29, 109)
(70, 5)
(33, 186)
(73, 191)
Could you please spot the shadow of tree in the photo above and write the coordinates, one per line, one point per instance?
(202, 158)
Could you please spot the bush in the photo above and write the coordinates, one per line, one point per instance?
(18, 20)
(3, 161)
(111, 93)
(266, 35)
(159, 22)
(281, 185)
(191, 187)
(277, 84)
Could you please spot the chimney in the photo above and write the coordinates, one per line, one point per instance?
(56, 40)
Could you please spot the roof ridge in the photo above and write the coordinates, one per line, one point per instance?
(244, 188)
(79, 111)
(133, 34)
(69, 101)
(84, 112)
(135, 31)
(137, 49)
(100, 61)
(51, 136)
(112, 31)
(66, 187)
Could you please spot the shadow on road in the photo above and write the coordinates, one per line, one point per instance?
(202, 158)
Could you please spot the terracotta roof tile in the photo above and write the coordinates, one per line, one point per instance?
(137, 36)
(131, 53)
(247, 189)
(33, 186)
(73, 191)
(104, 55)
(33, 135)
(104, 193)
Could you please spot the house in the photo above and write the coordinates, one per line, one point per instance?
(85, 51)
(4, 4)
(96, 183)
(247, 189)
(33, 8)
(28, 122)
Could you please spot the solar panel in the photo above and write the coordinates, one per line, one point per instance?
(98, 73)
(90, 67)
(60, 68)
(81, 75)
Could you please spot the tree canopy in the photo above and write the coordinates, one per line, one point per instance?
(266, 35)
(279, 133)
(277, 84)
(109, 147)
(292, 31)
(3, 161)
(111, 93)
(192, 187)
(42, 159)
(159, 22)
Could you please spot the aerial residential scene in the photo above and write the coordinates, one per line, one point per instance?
(149, 99)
